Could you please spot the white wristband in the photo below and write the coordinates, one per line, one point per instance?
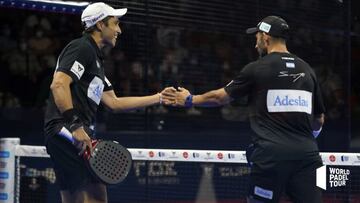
(316, 132)
(160, 98)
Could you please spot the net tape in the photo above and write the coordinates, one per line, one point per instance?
(190, 155)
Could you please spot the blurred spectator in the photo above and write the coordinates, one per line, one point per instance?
(332, 90)
(137, 78)
(40, 43)
(6, 39)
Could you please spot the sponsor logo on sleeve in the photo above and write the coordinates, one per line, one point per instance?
(78, 69)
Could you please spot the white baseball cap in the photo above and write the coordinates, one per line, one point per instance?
(96, 12)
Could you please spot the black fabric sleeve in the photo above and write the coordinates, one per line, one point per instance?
(319, 107)
(74, 59)
(242, 84)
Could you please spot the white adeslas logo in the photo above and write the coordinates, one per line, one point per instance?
(289, 101)
(337, 177)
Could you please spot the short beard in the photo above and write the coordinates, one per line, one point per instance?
(262, 51)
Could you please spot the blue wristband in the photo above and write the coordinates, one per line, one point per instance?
(188, 101)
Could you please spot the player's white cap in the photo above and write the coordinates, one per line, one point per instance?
(95, 12)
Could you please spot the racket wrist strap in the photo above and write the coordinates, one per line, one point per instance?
(72, 118)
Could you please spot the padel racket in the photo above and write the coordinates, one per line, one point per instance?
(109, 161)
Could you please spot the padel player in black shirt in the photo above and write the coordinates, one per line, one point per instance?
(286, 115)
(78, 87)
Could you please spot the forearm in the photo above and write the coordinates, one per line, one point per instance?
(211, 99)
(130, 103)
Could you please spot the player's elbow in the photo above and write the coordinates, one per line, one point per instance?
(219, 101)
(55, 85)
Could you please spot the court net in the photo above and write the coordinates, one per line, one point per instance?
(164, 175)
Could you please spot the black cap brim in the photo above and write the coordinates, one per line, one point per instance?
(252, 30)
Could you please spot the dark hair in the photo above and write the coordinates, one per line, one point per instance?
(93, 28)
(279, 39)
(276, 38)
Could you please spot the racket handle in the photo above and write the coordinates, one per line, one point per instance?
(65, 133)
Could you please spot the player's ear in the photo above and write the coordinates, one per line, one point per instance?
(266, 38)
(99, 25)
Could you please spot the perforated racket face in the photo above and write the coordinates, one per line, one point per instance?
(110, 162)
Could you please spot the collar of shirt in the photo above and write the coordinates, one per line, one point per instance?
(93, 43)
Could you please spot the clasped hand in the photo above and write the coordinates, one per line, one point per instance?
(174, 97)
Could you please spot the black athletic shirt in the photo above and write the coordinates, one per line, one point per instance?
(82, 60)
(283, 98)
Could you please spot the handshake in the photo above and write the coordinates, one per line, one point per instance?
(176, 97)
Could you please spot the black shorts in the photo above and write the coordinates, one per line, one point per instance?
(297, 178)
(70, 169)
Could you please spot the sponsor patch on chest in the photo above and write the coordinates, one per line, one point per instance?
(289, 101)
(95, 90)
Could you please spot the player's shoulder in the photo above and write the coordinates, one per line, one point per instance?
(81, 45)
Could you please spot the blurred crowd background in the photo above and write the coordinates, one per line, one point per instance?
(200, 45)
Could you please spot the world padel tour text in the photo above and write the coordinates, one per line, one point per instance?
(338, 177)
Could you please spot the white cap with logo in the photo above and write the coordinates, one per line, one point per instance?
(96, 12)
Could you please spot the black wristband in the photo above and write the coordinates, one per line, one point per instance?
(73, 120)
